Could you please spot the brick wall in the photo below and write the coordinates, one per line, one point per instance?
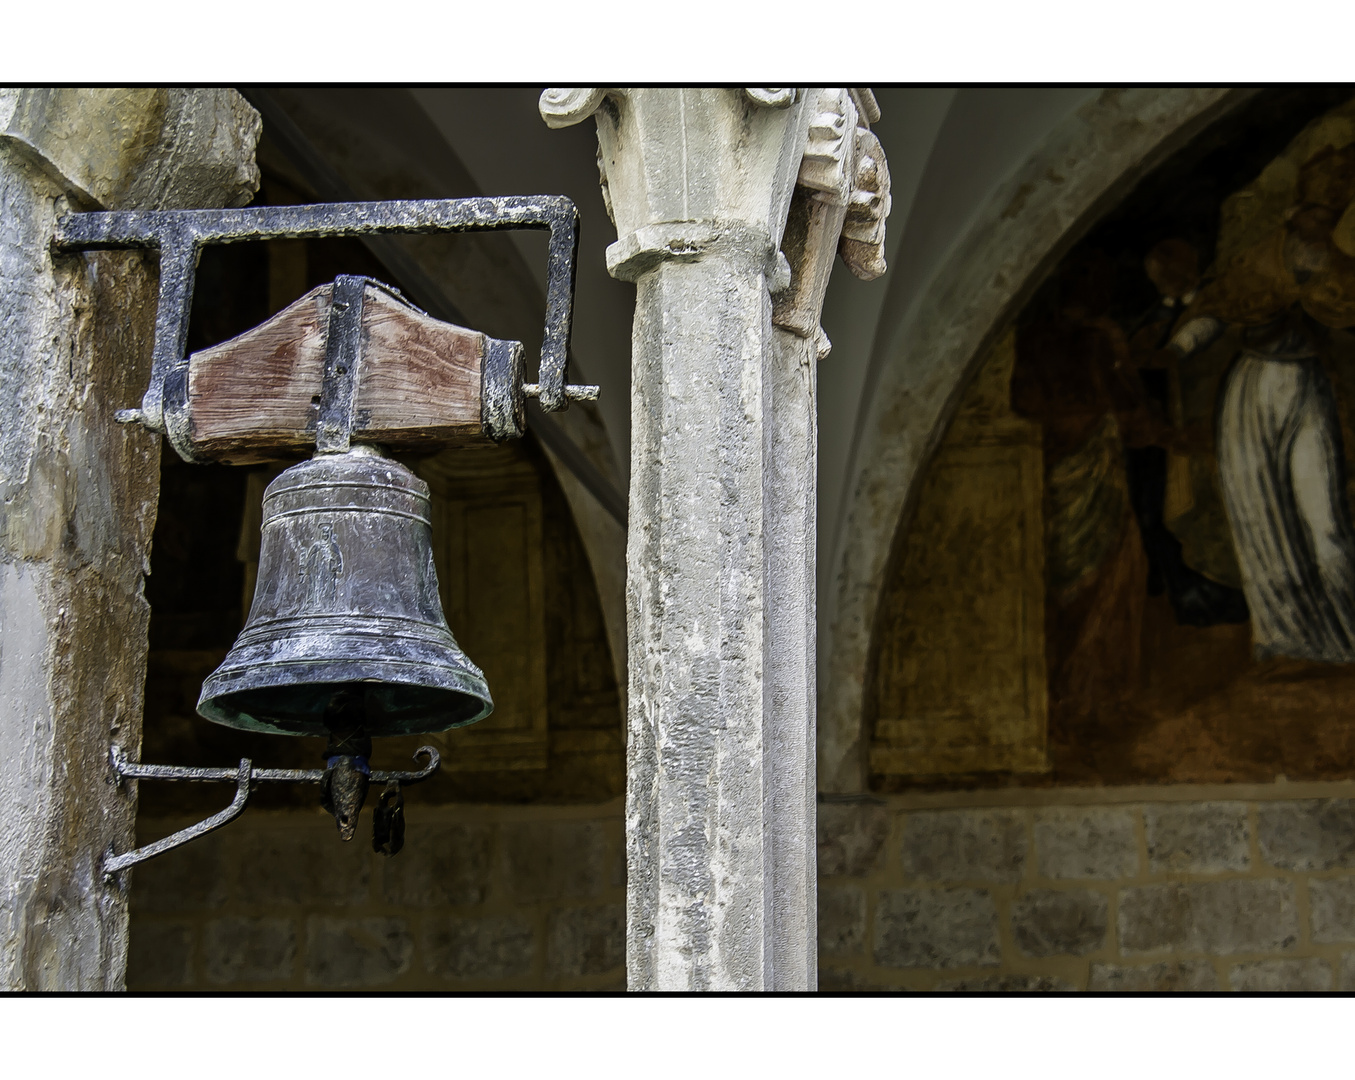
(1218, 888)
(481, 898)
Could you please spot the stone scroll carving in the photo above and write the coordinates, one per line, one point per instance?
(840, 207)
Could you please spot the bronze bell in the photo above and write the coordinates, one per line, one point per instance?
(346, 610)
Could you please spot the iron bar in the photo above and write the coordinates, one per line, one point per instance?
(112, 862)
(135, 770)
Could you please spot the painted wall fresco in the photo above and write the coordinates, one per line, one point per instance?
(1132, 558)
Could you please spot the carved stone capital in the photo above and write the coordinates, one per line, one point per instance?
(565, 106)
(690, 172)
(863, 233)
(840, 205)
(829, 162)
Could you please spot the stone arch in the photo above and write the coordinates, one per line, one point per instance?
(1082, 169)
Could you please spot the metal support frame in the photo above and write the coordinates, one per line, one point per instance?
(243, 777)
(180, 235)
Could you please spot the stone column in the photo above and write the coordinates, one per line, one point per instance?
(78, 496)
(838, 176)
(720, 582)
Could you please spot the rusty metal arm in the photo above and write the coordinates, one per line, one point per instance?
(242, 777)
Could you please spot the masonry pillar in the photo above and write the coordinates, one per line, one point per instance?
(78, 496)
(720, 574)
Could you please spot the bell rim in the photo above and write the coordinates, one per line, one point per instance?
(221, 684)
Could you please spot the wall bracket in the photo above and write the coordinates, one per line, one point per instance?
(244, 776)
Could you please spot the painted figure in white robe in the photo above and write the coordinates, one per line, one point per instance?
(1282, 471)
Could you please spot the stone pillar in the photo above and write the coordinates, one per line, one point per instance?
(840, 204)
(78, 496)
(720, 556)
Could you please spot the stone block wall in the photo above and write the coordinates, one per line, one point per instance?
(1199, 893)
(481, 898)
(1204, 892)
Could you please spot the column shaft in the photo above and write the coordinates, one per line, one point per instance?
(700, 897)
(791, 516)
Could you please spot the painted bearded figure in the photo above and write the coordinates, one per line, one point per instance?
(1278, 437)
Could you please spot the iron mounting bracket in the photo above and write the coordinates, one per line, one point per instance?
(243, 777)
(180, 236)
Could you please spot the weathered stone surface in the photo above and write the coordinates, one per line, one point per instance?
(586, 941)
(1211, 917)
(160, 956)
(964, 845)
(1170, 975)
(189, 878)
(138, 148)
(478, 948)
(790, 487)
(1007, 984)
(851, 837)
(936, 928)
(1346, 980)
(1080, 842)
(343, 954)
(240, 950)
(1050, 922)
(559, 860)
(842, 921)
(1331, 907)
(1197, 838)
(301, 866)
(78, 498)
(450, 865)
(1273, 976)
(1312, 834)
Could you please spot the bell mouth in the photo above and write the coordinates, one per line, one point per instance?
(392, 708)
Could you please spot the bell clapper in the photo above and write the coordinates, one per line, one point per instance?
(343, 789)
(388, 821)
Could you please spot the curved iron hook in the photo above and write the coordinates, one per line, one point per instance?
(434, 761)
